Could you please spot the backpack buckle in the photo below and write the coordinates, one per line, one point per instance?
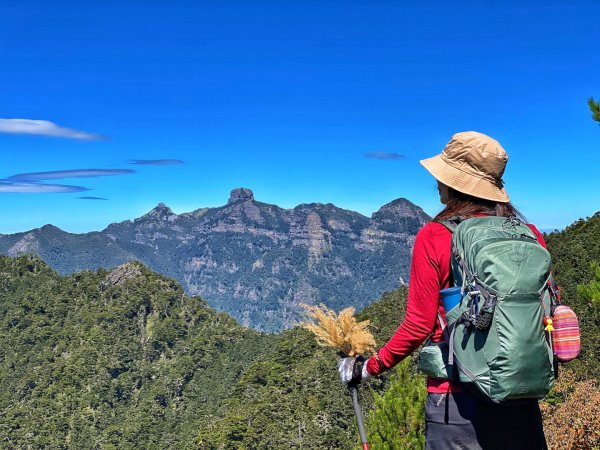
(467, 318)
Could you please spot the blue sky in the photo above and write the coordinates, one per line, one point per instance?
(181, 102)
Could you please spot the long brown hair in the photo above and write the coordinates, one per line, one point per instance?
(464, 205)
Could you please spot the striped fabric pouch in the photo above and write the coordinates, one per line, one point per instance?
(565, 337)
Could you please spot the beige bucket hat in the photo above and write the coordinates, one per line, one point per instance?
(471, 163)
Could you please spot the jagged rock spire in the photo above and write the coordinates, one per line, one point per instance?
(242, 194)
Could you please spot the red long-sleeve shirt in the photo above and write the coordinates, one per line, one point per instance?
(429, 273)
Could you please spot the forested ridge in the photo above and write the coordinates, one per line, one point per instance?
(111, 360)
(575, 254)
(125, 359)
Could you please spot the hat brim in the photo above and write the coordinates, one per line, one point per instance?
(464, 182)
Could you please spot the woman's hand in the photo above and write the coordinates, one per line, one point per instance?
(353, 370)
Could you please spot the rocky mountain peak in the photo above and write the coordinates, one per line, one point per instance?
(240, 194)
(49, 227)
(121, 274)
(400, 207)
(160, 211)
(399, 216)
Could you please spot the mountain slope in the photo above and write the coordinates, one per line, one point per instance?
(573, 251)
(124, 359)
(254, 260)
(291, 397)
(119, 359)
(66, 252)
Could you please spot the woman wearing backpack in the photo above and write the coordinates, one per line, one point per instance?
(469, 173)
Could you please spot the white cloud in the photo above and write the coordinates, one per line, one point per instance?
(92, 198)
(8, 186)
(45, 128)
(74, 173)
(156, 162)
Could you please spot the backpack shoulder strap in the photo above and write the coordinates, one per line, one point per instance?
(452, 222)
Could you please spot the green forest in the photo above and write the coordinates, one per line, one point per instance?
(124, 359)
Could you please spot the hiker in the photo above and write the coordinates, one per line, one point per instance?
(469, 174)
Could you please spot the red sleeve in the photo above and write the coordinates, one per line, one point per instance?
(538, 235)
(422, 306)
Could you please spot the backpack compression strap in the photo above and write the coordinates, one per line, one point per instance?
(483, 317)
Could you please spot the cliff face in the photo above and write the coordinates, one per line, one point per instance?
(256, 261)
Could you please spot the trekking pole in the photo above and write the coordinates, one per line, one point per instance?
(350, 338)
(353, 389)
(359, 417)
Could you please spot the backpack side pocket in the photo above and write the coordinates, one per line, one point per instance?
(433, 360)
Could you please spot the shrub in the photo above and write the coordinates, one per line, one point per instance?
(572, 414)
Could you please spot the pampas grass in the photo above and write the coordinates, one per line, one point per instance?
(341, 331)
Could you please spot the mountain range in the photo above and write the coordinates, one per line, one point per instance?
(253, 260)
(124, 359)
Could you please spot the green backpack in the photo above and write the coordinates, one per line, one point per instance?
(495, 338)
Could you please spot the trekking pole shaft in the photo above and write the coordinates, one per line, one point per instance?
(359, 417)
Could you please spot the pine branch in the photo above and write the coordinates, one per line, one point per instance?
(595, 108)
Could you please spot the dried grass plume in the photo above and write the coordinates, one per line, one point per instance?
(341, 331)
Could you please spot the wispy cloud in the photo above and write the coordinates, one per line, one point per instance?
(75, 173)
(45, 128)
(33, 182)
(23, 187)
(156, 162)
(92, 198)
(384, 155)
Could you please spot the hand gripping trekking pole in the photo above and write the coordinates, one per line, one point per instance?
(353, 388)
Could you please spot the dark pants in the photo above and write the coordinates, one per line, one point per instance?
(462, 421)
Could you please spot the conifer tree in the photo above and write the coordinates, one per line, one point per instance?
(591, 292)
(398, 420)
(595, 108)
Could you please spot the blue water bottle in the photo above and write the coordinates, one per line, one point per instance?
(450, 297)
